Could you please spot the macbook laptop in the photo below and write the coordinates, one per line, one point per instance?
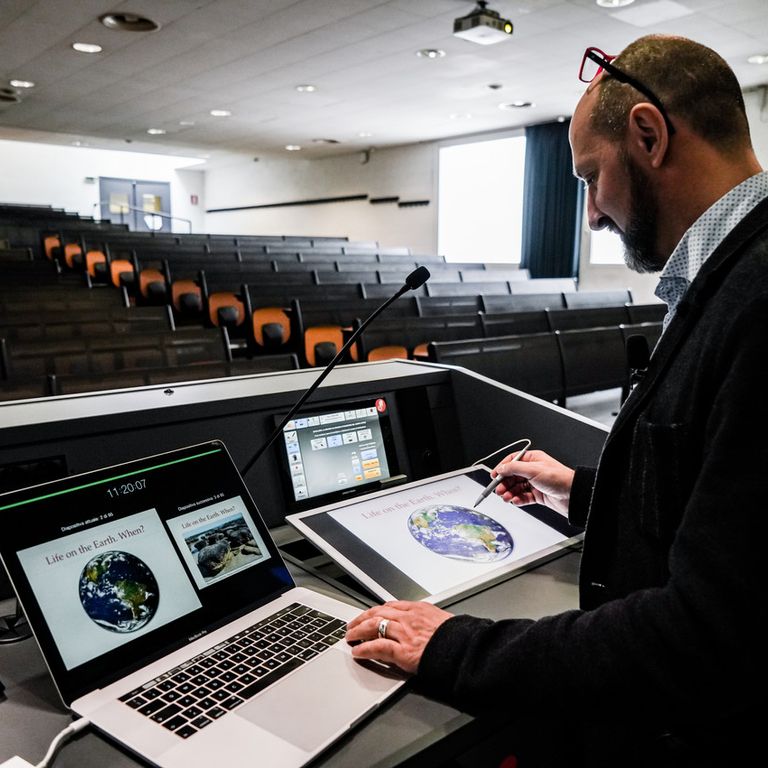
(167, 617)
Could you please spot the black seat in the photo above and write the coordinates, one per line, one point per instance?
(530, 362)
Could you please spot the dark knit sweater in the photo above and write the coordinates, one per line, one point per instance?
(672, 581)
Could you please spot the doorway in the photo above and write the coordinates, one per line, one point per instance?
(145, 206)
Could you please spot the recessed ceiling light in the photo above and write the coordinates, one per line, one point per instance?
(221, 113)
(22, 84)
(460, 116)
(87, 47)
(430, 53)
(156, 131)
(325, 141)
(80, 144)
(306, 88)
(365, 134)
(517, 105)
(186, 123)
(292, 147)
(128, 22)
(758, 58)
(613, 3)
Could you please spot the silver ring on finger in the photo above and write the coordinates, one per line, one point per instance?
(382, 628)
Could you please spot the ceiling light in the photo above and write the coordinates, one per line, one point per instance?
(325, 141)
(22, 84)
(306, 88)
(186, 123)
(460, 116)
(517, 105)
(430, 53)
(758, 58)
(614, 3)
(221, 113)
(87, 47)
(128, 22)
(156, 131)
(292, 147)
(365, 134)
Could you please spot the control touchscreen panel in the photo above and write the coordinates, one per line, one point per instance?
(338, 451)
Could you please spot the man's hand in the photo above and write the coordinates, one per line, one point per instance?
(406, 632)
(537, 478)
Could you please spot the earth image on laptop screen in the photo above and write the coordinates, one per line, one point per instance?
(460, 533)
(118, 591)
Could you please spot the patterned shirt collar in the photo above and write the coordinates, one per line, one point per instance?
(703, 237)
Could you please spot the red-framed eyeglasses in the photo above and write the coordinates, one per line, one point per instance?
(596, 61)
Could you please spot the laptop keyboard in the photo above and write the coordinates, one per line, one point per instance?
(191, 696)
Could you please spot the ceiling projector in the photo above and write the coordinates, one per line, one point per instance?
(482, 26)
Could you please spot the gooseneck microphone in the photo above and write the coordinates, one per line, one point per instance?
(415, 279)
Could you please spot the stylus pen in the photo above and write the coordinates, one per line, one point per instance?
(489, 489)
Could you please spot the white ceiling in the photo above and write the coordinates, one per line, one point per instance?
(248, 56)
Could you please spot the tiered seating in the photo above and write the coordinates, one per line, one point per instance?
(272, 302)
(59, 334)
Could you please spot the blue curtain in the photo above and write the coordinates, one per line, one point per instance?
(552, 204)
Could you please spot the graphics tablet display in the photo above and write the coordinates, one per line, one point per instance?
(336, 452)
(425, 541)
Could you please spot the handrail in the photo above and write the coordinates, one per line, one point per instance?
(126, 208)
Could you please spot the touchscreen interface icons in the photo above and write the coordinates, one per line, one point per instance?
(338, 449)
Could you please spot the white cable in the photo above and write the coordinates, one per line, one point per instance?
(504, 448)
(67, 733)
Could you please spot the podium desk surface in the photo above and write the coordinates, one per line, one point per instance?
(409, 727)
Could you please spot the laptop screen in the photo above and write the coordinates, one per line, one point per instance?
(118, 566)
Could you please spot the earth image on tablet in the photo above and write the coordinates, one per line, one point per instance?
(118, 591)
(460, 533)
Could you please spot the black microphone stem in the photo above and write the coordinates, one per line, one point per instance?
(321, 377)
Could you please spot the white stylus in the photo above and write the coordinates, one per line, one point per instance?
(488, 490)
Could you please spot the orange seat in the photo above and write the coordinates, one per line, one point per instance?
(95, 262)
(325, 337)
(152, 284)
(224, 308)
(186, 296)
(271, 327)
(420, 350)
(49, 244)
(120, 271)
(390, 352)
(73, 255)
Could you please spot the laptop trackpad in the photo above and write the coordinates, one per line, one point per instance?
(318, 701)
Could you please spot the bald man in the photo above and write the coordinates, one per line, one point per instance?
(656, 665)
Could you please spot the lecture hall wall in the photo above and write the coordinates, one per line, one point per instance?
(56, 175)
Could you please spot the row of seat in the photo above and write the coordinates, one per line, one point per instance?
(554, 365)
(281, 325)
(409, 337)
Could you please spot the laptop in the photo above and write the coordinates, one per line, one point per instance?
(168, 618)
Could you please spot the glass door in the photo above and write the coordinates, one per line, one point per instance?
(145, 206)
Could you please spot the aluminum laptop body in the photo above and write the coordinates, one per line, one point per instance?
(168, 618)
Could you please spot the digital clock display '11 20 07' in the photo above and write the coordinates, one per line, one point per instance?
(124, 489)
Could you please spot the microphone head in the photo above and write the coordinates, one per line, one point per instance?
(638, 351)
(417, 278)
